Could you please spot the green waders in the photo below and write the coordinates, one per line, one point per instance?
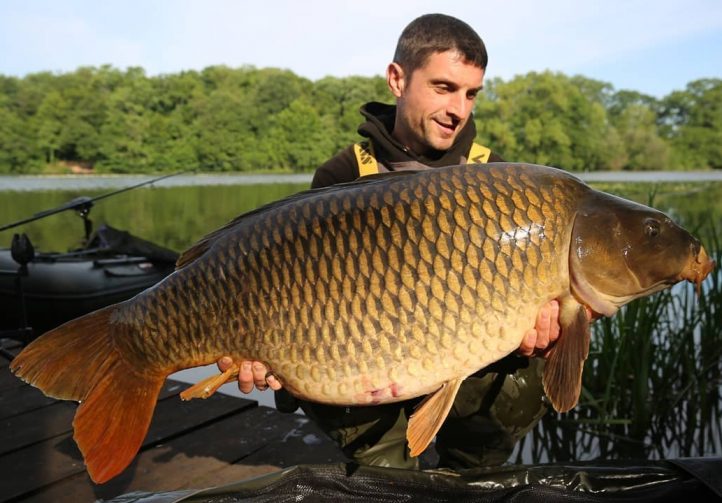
(490, 414)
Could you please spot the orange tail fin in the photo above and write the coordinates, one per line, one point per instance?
(78, 361)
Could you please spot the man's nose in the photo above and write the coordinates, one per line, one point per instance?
(457, 106)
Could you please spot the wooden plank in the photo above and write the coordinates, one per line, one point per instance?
(173, 416)
(17, 397)
(11, 346)
(295, 440)
(26, 470)
(22, 399)
(305, 443)
(214, 455)
(36, 426)
(8, 380)
(172, 388)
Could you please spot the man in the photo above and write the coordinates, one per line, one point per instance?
(437, 72)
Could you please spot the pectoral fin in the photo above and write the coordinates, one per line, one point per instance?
(563, 370)
(209, 385)
(430, 415)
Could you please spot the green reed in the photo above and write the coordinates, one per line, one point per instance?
(652, 383)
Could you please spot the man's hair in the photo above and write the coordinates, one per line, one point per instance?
(432, 33)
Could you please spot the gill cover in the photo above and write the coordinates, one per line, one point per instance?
(621, 250)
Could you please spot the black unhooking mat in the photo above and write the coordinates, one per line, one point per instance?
(690, 480)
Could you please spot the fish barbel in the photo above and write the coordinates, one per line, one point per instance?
(380, 290)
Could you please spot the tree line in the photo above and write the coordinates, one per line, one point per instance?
(261, 119)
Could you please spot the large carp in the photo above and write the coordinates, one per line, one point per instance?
(380, 290)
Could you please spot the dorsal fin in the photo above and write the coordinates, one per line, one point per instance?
(204, 244)
(191, 254)
(384, 175)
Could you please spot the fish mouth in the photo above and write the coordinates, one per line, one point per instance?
(697, 269)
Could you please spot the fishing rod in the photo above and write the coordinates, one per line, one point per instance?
(83, 204)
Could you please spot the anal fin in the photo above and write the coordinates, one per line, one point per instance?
(563, 370)
(426, 420)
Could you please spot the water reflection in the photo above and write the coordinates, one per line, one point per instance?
(174, 217)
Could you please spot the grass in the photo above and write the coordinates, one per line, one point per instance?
(651, 385)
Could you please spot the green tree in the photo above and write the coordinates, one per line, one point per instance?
(339, 101)
(301, 137)
(621, 100)
(17, 152)
(545, 118)
(644, 148)
(246, 118)
(225, 136)
(171, 138)
(87, 91)
(692, 120)
(50, 119)
(125, 132)
(16, 148)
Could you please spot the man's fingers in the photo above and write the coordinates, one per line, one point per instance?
(245, 377)
(543, 322)
(259, 375)
(542, 329)
(528, 343)
(224, 363)
(273, 382)
(251, 374)
(554, 328)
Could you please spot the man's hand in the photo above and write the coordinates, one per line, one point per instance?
(251, 373)
(539, 339)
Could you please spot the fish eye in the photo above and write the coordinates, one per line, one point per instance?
(651, 228)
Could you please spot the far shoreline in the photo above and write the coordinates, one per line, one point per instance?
(27, 182)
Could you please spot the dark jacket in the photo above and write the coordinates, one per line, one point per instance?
(390, 154)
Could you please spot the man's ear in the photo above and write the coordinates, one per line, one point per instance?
(395, 79)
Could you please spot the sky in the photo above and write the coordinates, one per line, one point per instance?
(651, 46)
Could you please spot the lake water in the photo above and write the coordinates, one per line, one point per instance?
(178, 211)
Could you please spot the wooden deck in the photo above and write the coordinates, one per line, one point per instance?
(196, 444)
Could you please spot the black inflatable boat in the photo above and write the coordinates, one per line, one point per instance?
(39, 291)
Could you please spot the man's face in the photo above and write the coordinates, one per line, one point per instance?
(435, 101)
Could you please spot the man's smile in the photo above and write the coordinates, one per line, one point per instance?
(447, 127)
